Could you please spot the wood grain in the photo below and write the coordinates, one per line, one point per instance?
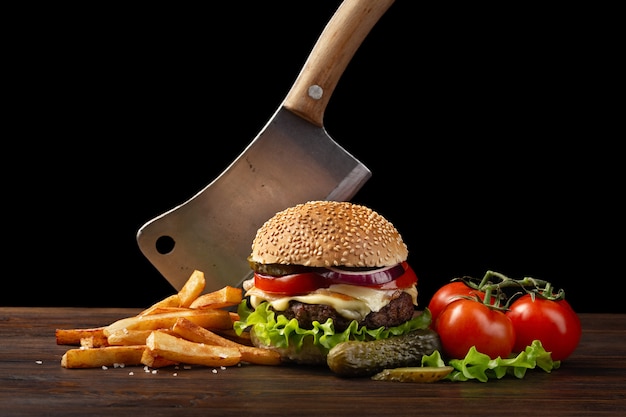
(591, 382)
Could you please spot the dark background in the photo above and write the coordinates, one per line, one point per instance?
(490, 134)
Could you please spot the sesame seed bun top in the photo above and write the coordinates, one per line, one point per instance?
(328, 233)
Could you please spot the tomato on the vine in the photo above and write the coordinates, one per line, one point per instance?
(553, 322)
(449, 293)
(465, 323)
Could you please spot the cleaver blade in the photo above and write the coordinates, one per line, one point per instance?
(292, 160)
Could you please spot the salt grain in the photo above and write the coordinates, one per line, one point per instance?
(131, 373)
(214, 371)
(38, 362)
(105, 367)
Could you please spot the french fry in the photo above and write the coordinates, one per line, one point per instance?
(225, 297)
(184, 351)
(171, 301)
(231, 334)
(191, 331)
(155, 361)
(125, 337)
(104, 356)
(75, 336)
(160, 310)
(209, 318)
(186, 327)
(259, 356)
(88, 343)
(192, 288)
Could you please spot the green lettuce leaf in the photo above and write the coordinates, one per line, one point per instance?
(481, 367)
(276, 330)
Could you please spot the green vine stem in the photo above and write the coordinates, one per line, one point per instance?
(493, 283)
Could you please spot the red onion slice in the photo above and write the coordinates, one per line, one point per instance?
(371, 277)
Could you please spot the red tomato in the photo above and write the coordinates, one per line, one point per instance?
(465, 323)
(448, 293)
(311, 281)
(554, 323)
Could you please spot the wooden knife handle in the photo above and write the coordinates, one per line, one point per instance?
(342, 36)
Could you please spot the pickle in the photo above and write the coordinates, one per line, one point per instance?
(414, 374)
(354, 359)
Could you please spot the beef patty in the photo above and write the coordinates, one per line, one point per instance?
(398, 311)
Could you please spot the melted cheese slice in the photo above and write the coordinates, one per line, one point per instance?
(351, 301)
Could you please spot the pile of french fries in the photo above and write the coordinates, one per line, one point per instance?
(187, 328)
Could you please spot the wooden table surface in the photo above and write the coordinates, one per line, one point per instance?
(33, 383)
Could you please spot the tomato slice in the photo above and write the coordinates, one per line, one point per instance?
(291, 284)
(310, 281)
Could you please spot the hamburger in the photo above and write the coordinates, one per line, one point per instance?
(326, 272)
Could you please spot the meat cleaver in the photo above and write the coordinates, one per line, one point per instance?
(291, 161)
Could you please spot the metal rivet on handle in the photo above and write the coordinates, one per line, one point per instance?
(316, 92)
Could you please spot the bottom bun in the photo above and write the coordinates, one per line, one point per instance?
(309, 354)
